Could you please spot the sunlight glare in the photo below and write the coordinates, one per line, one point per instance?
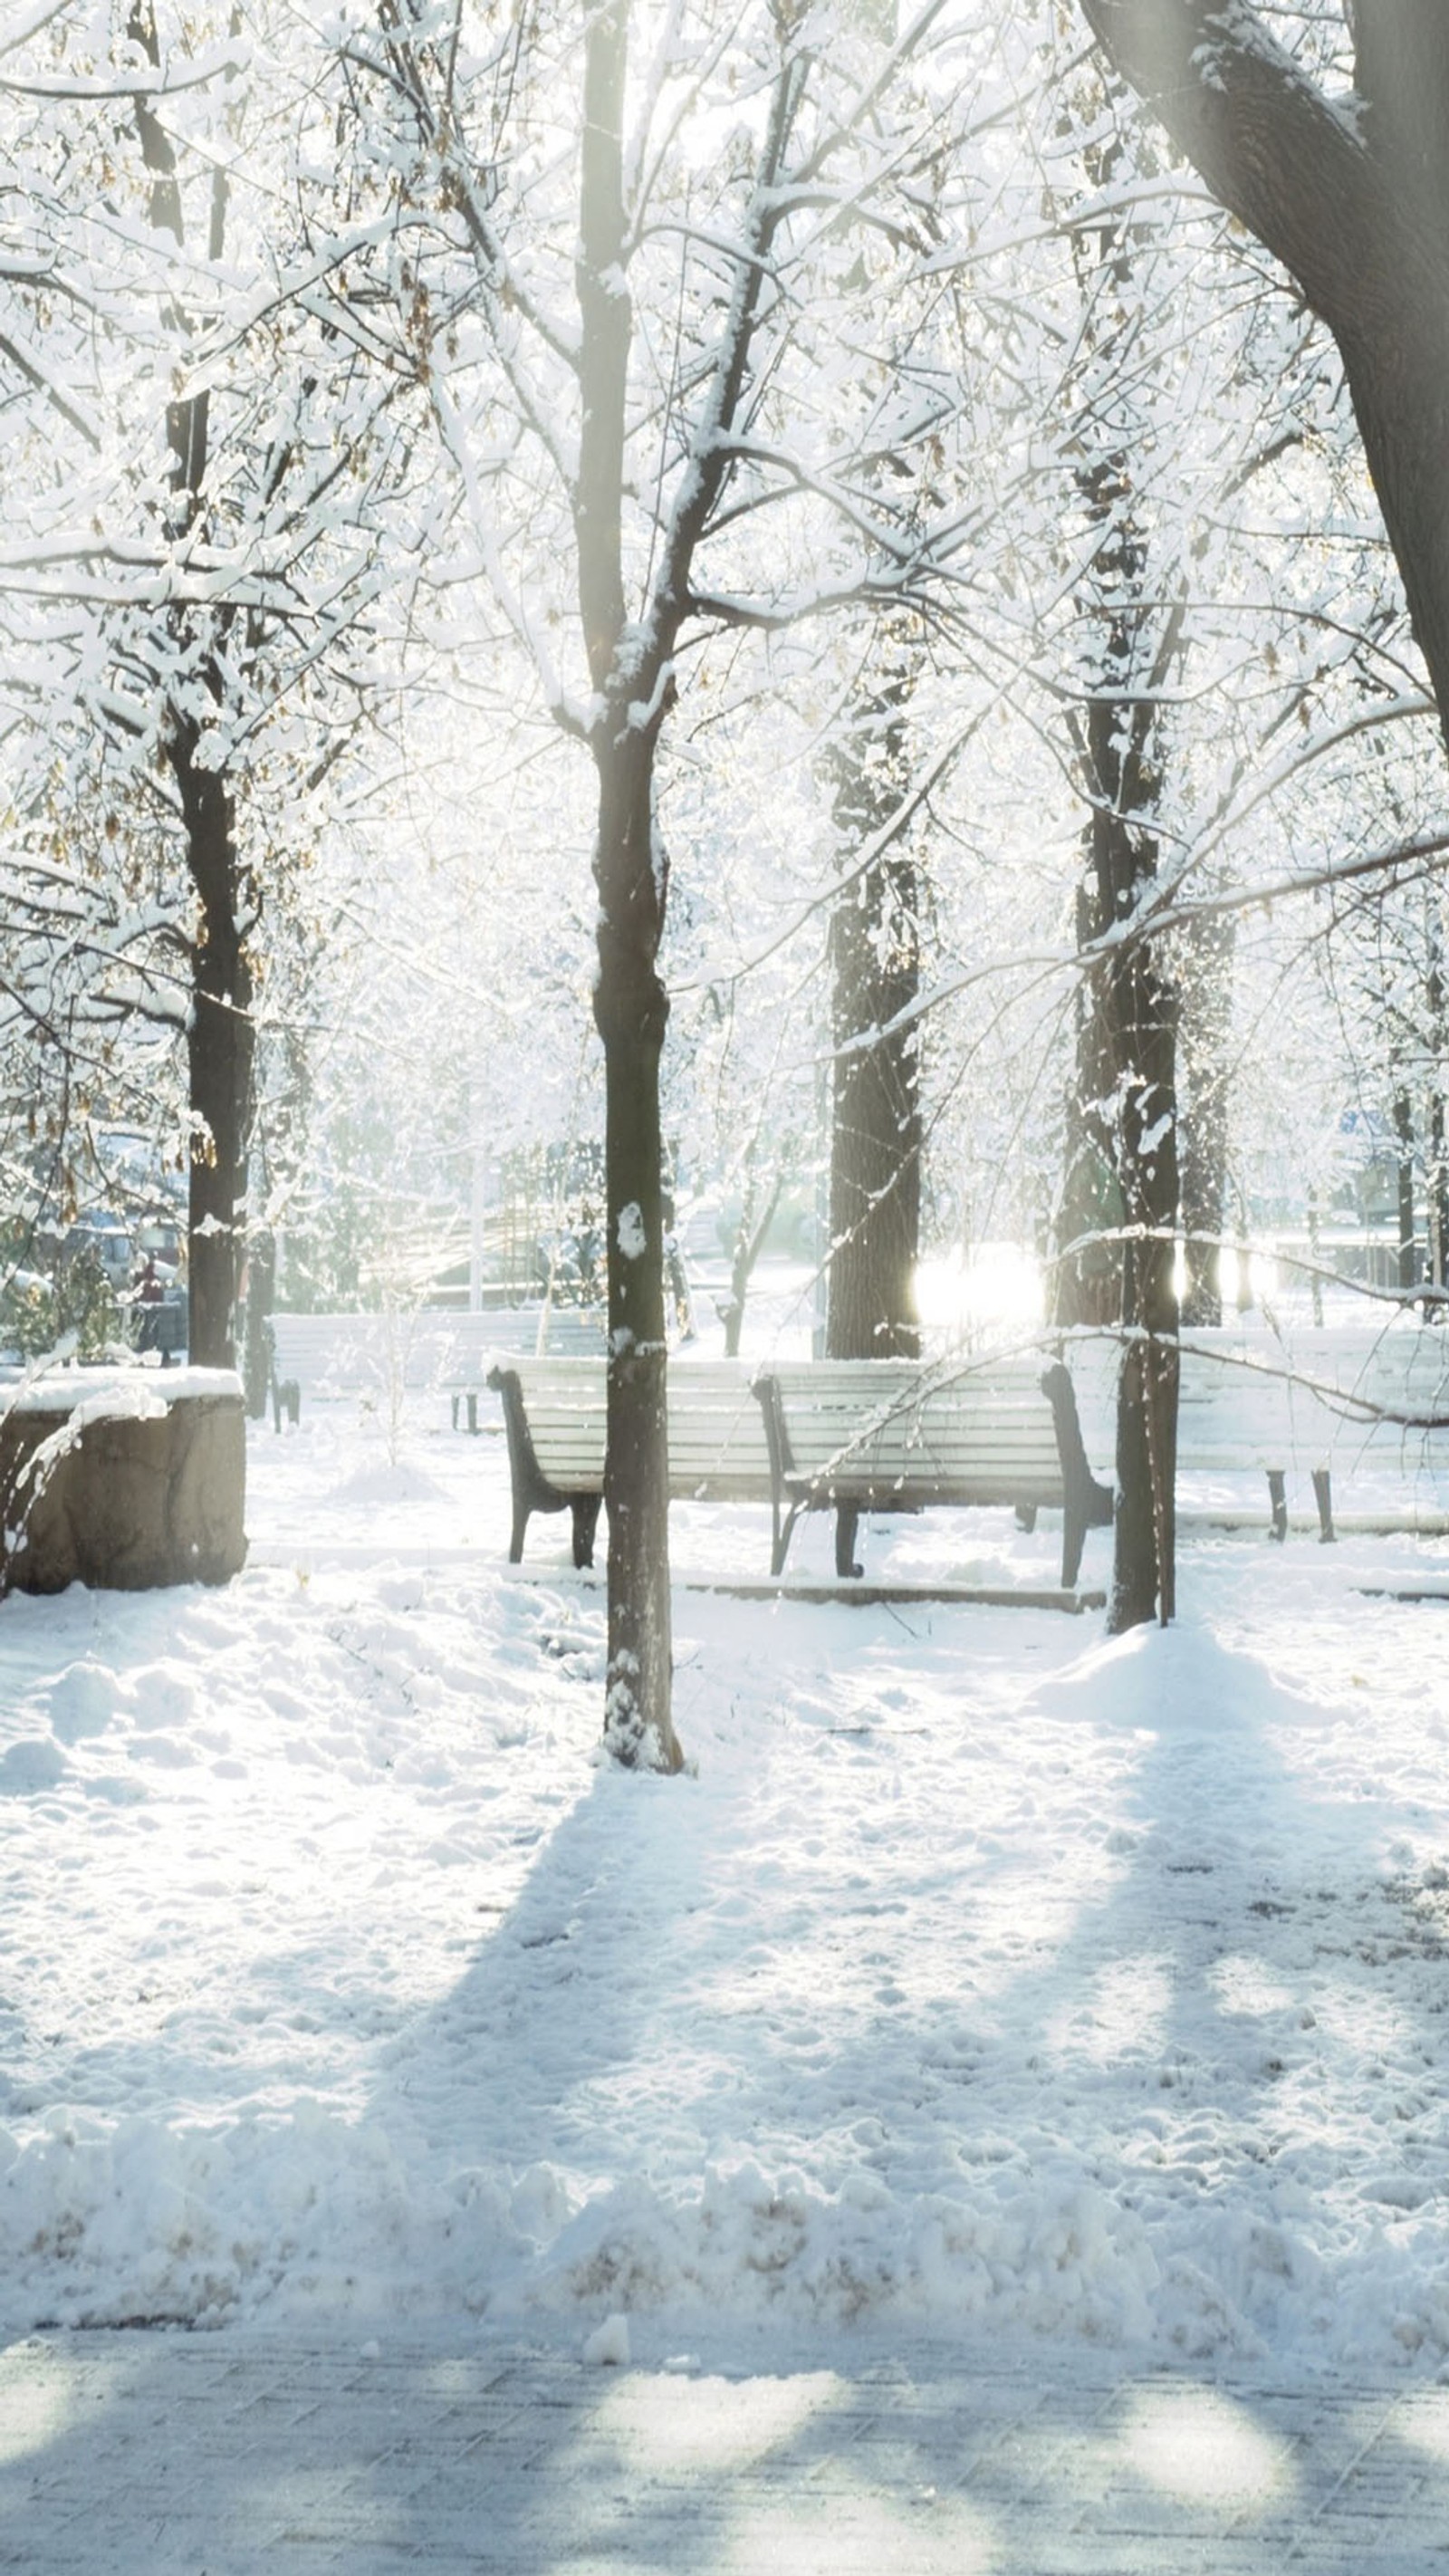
(858, 2528)
(1244, 1985)
(1201, 2447)
(1125, 2017)
(993, 1286)
(1426, 2422)
(672, 2423)
(1261, 1276)
(36, 2405)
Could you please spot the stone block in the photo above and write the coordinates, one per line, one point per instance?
(123, 1480)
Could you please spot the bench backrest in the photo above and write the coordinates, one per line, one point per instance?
(1250, 1398)
(717, 1446)
(362, 1354)
(987, 1433)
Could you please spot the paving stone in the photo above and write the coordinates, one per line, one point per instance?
(151, 2454)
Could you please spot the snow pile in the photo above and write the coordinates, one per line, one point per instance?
(987, 1974)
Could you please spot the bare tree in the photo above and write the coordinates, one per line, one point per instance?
(666, 446)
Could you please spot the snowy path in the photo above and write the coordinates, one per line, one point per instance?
(987, 1976)
(247, 2454)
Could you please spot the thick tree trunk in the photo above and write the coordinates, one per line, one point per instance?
(875, 1128)
(1144, 1577)
(631, 1011)
(875, 1132)
(1136, 1009)
(220, 1051)
(1087, 1276)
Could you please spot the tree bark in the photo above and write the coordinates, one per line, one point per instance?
(1138, 1016)
(631, 1011)
(876, 1129)
(1087, 1280)
(220, 1045)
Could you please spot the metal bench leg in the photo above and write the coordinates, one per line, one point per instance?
(1278, 1499)
(780, 1544)
(1323, 1497)
(454, 1411)
(519, 1532)
(1026, 1517)
(1074, 1539)
(585, 1509)
(473, 1414)
(847, 1522)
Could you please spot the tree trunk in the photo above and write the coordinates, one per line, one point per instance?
(756, 1217)
(1087, 1279)
(1144, 1571)
(631, 1010)
(1404, 1137)
(220, 1046)
(1206, 990)
(1436, 1161)
(875, 1130)
(260, 1302)
(1138, 1015)
(1127, 1043)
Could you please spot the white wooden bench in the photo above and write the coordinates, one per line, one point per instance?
(554, 1412)
(1368, 1405)
(436, 1349)
(1237, 1410)
(892, 1435)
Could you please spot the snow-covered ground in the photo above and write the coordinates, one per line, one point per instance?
(984, 1975)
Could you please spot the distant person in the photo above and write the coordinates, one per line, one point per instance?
(150, 1295)
(675, 1274)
